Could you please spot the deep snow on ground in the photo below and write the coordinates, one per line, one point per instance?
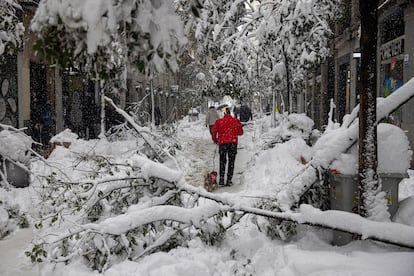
(245, 250)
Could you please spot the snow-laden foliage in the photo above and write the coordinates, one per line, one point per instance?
(197, 82)
(337, 140)
(11, 27)
(287, 127)
(310, 184)
(242, 41)
(96, 35)
(287, 143)
(222, 47)
(11, 215)
(295, 33)
(15, 145)
(15, 154)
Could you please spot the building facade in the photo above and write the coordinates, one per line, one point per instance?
(395, 58)
(31, 88)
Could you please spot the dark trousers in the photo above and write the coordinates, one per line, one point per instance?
(211, 129)
(228, 153)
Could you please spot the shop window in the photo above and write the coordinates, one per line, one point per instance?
(392, 80)
(343, 91)
(393, 25)
(393, 76)
(41, 119)
(80, 111)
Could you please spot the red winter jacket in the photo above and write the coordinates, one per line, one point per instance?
(226, 130)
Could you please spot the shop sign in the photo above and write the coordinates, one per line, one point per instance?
(392, 49)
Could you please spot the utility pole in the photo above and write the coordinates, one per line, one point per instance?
(289, 96)
(273, 123)
(152, 105)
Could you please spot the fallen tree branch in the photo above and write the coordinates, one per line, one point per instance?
(290, 196)
(166, 235)
(137, 128)
(149, 212)
(387, 232)
(141, 215)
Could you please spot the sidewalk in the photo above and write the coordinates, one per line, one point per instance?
(13, 260)
(203, 157)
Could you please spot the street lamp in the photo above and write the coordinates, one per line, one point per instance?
(174, 93)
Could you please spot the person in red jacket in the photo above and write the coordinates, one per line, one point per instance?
(225, 133)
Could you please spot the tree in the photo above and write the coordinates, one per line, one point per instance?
(89, 34)
(295, 33)
(216, 42)
(11, 27)
(195, 81)
(236, 35)
(371, 201)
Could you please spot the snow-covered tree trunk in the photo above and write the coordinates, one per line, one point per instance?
(369, 186)
(288, 92)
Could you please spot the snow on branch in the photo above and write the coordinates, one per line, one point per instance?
(399, 97)
(392, 233)
(11, 29)
(101, 35)
(150, 168)
(154, 218)
(137, 128)
(334, 142)
(135, 218)
(382, 231)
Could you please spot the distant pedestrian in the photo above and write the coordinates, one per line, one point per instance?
(236, 111)
(211, 117)
(35, 111)
(268, 109)
(193, 114)
(225, 133)
(46, 123)
(245, 114)
(42, 120)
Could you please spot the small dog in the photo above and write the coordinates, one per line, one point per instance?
(210, 181)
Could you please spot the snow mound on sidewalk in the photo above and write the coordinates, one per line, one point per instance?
(394, 153)
(277, 165)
